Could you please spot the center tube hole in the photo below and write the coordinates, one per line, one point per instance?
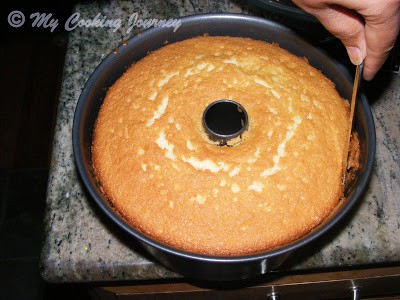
(224, 120)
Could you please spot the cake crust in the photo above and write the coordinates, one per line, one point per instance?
(159, 170)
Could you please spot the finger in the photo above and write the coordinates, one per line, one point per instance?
(380, 34)
(374, 41)
(346, 24)
(382, 25)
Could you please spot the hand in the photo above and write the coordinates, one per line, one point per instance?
(367, 28)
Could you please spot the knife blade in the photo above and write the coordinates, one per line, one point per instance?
(354, 96)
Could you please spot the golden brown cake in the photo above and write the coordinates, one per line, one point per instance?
(167, 179)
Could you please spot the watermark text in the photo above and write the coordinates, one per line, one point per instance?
(47, 21)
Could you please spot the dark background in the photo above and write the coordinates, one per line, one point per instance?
(31, 71)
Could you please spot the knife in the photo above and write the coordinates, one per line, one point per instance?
(353, 103)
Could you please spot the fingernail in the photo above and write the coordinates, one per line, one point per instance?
(355, 55)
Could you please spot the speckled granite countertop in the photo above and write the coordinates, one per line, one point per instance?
(82, 245)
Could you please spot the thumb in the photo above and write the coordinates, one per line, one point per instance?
(348, 26)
